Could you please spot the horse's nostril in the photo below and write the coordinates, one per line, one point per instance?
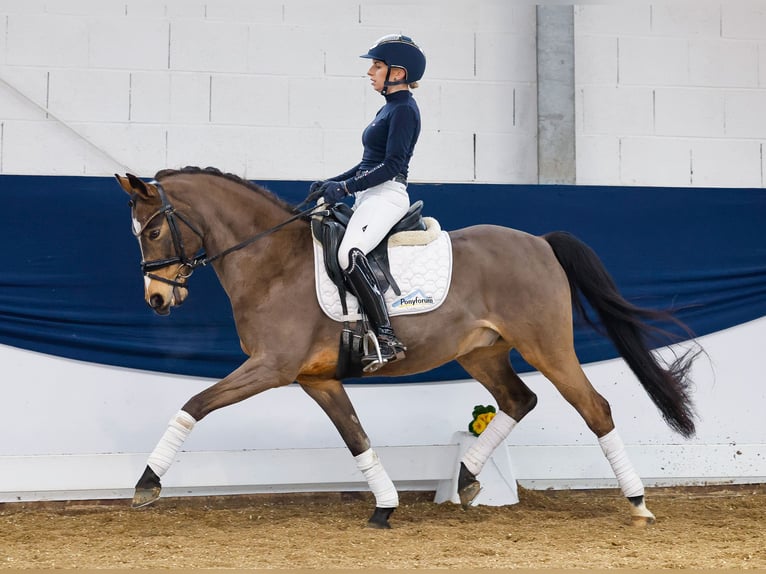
(156, 301)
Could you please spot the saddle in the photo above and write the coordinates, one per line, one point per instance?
(329, 226)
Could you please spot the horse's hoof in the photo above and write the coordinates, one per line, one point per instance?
(379, 518)
(469, 493)
(642, 521)
(145, 496)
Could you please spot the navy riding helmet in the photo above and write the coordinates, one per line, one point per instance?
(399, 51)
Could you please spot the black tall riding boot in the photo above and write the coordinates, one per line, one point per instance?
(366, 288)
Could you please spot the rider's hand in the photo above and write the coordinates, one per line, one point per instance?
(333, 191)
(315, 191)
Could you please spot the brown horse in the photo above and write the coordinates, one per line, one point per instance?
(527, 286)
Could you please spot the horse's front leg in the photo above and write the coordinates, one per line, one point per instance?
(251, 378)
(334, 401)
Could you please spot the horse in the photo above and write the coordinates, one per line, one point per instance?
(509, 290)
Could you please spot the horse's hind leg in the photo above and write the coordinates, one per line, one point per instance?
(332, 397)
(565, 372)
(492, 368)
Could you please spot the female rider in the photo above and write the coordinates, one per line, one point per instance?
(379, 181)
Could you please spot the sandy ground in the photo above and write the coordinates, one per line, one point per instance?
(711, 527)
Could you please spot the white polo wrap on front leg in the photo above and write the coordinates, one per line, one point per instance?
(627, 478)
(496, 432)
(377, 477)
(166, 450)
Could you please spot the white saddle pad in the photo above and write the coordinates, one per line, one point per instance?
(421, 264)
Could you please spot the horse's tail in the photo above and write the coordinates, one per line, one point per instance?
(625, 325)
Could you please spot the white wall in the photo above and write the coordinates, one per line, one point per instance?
(79, 430)
(666, 93)
(268, 89)
(671, 94)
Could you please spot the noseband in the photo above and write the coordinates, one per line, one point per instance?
(189, 264)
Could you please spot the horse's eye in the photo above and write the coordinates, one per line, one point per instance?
(154, 234)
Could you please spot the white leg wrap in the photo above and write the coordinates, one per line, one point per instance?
(496, 432)
(614, 450)
(377, 477)
(166, 450)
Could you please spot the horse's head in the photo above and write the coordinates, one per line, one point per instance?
(166, 238)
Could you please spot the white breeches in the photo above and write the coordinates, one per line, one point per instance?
(376, 211)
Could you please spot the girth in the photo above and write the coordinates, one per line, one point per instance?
(329, 226)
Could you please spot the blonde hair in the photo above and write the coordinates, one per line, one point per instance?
(413, 85)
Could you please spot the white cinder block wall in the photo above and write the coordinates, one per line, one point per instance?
(266, 89)
(671, 94)
(668, 94)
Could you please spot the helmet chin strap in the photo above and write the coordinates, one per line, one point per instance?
(388, 82)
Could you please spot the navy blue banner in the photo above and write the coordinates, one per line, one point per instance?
(70, 283)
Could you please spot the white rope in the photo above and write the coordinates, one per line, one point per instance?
(67, 125)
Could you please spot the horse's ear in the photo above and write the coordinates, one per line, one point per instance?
(132, 185)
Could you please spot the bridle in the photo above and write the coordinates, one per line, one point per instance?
(200, 259)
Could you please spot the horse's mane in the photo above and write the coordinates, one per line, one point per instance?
(191, 169)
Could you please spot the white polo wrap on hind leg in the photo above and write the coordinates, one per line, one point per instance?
(166, 450)
(377, 477)
(496, 432)
(627, 478)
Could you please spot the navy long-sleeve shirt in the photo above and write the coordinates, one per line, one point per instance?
(389, 142)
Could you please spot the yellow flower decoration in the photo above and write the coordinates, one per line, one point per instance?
(482, 415)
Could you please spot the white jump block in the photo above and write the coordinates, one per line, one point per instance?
(498, 483)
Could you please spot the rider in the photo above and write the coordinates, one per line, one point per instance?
(379, 181)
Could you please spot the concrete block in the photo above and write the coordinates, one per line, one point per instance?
(341, 150)
(286, 51)
(453, 55)
(86, 8)
(195, 9)
(441, 16)
(150, 97)
(42, 148)
(654, 61)
(598, 160)
(506, 58)
(292, 154)
(473, 106)
(723, 63)
(339, 107)
(22, 7)
(507, 17)
(245, 11)
(199, 46)
(506, 158)
(145, 9)
(689, 112)
(53, 41)
(340, 13)
(744, 114)
(726, 163)
(175, 98)
(701, 18)
(89, 95)
(135, 148)
(595, 60)
(132, 43)
(762, 65)
(618, 19)
(743, 19)
(443, 156)
(23, 93)
(224, 147)
(655, 161)
(616, 110)
(249, 100)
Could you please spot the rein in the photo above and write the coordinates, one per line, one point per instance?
(188, 265)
